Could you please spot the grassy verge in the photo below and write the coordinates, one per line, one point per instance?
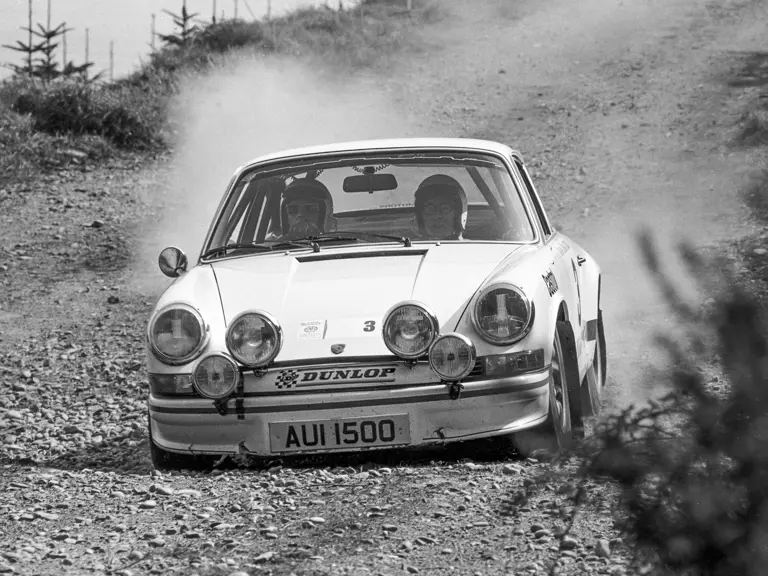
(44, 126)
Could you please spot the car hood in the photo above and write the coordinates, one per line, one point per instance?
(341, 296)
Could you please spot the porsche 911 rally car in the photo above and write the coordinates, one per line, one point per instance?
(373, 295)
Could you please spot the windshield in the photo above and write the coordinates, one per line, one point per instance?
(395, 196)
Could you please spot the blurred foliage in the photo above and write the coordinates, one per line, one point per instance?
(693, 465)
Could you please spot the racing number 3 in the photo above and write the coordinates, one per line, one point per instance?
(370, 326)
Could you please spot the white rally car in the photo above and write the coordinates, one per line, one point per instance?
(376, 294)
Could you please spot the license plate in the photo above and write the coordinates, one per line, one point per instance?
(339, 434)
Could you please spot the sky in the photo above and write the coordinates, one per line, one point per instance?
(126, 23)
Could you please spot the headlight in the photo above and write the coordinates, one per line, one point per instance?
(452, 357)
(254, 338)
(409, 330)
(177, 334)
(502, 314)
(215, 377)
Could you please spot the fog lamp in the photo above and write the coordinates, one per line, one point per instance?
(215, 376)
(409, 329)
(452, 357)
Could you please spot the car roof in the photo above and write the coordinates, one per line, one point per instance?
(469, 144)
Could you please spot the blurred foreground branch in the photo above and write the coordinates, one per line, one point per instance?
(693, 466)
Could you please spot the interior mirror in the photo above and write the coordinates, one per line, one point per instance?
(370, 183)
(172, 262)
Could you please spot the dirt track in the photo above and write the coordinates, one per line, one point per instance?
(624, 110)
(625, 115)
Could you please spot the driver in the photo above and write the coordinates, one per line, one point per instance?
(441, 208)
(306, 209)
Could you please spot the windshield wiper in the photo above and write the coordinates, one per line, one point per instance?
(342, 235)
(263, 246)
(235, 246)
(307, 242)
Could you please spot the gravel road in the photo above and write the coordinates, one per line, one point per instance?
(625, 114)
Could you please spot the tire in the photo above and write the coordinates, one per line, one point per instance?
(565, 417)
(164, 460)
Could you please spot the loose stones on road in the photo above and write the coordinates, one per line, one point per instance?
(603, 548)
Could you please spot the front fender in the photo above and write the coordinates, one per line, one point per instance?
(196, 288)
(592, 280)
(547, 296)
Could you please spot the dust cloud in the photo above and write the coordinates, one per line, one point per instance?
(251, 107)
(574, 54)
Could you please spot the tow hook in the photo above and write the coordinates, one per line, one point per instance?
(455, 390)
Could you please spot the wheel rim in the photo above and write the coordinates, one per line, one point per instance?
(558, 390)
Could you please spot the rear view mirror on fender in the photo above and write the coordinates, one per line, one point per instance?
(172, 262)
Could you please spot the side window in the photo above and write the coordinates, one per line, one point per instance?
(535, 199)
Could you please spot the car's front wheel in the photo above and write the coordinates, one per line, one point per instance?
(564, 400)
(164, 460)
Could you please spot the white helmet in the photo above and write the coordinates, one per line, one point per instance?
(307, 189)
(447, 187)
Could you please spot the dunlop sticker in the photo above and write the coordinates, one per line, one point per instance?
(304, 377)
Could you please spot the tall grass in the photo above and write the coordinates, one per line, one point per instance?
(122, 115)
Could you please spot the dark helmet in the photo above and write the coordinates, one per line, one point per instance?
(307, 189)
(443, 185)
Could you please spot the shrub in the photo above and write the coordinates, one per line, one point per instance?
(230, 34)
(76, 107)
(693, 466)
(24, 150)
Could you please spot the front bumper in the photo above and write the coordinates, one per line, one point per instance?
(427, 413)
